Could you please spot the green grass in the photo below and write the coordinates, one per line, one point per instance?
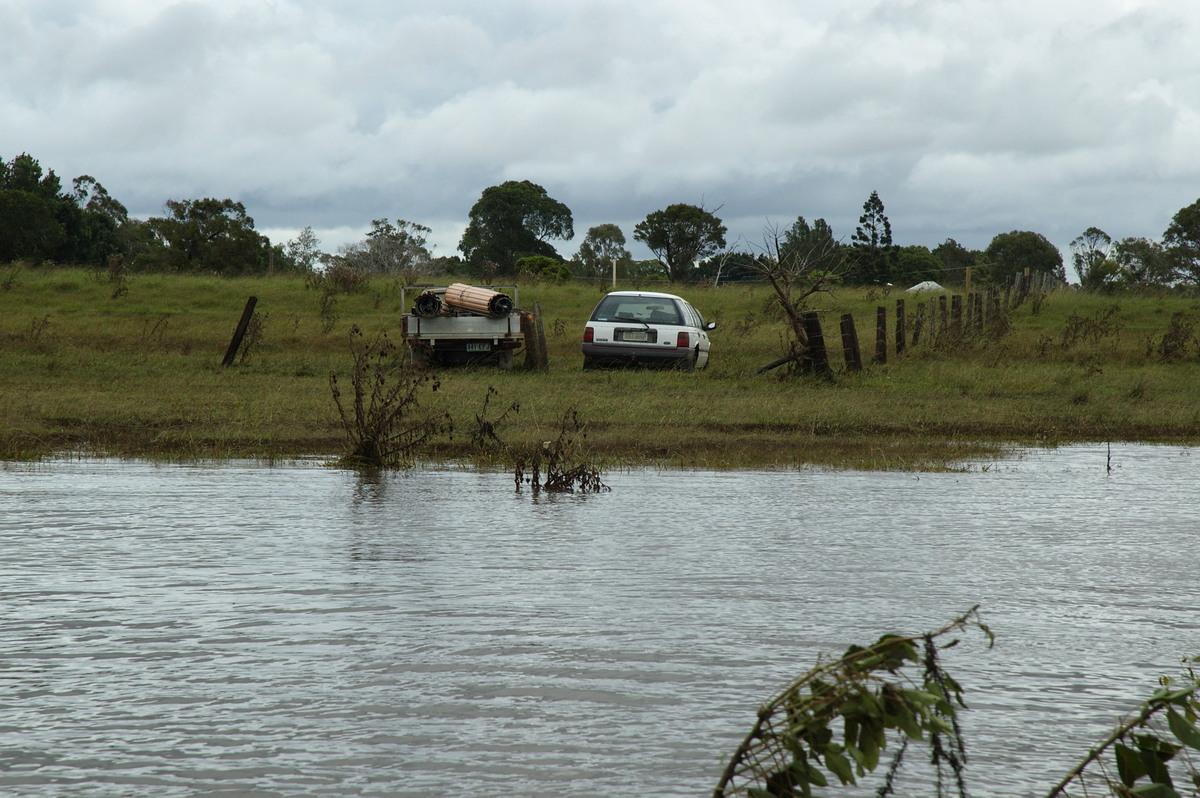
(139, 374)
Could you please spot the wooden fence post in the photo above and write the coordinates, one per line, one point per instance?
(850, 350)
(240, 332)
(901, 335)
(536, 356)
(918, 323)
(543, 362)
(956, 313)
(881, 334)
(816, 359)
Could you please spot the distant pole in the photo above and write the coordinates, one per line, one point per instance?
(881, 334)
(968, 286)
(614, 283)
(240, 332)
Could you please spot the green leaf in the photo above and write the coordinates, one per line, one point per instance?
(869, 744)
(907, 723)
(858, 757)
(939, 726)
(839, 765)
(850, 730)
(1185, 732)
(807, 774)
(1129, 764)
(920, 699)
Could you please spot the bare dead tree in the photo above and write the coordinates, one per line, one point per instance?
(796, 272)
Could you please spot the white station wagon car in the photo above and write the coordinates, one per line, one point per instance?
(646, 328)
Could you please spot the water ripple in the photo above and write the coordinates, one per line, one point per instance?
(300, 631)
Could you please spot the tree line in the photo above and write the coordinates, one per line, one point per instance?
(512, 226)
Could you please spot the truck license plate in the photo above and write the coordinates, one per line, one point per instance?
(473, 347)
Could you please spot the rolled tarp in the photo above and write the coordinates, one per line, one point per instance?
(479, 300)
(428, 305)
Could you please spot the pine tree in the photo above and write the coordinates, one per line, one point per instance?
(872, 243)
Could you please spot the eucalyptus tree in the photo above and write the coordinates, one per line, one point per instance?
(206, 235)
(1143, 262)
(512, 220)
(39, 219)
(1091, 254)
(603, 244)
(681, 236)
(955, 259)
(390, 248)
(1011, 253)
(1181, 241)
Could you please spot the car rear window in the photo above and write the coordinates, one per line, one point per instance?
(635, 308)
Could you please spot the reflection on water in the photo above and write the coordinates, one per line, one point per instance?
(301, 630)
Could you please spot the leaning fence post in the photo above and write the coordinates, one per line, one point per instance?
(850, 350)
(881, 334)
(240, 332)
(816, 356)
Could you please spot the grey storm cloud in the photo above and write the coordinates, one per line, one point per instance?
(969, 117)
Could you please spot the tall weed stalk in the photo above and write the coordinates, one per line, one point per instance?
(382, 418)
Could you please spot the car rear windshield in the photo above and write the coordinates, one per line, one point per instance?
(653, 310)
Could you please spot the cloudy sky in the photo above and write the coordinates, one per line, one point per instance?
(969, 117)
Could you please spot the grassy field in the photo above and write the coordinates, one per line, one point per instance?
(133, 368)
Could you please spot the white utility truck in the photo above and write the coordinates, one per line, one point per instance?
(461, 324)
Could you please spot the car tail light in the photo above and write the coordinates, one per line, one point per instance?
(683, 341)
(588, 335)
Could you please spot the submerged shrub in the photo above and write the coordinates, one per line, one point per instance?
(383, 421)
(560, 465)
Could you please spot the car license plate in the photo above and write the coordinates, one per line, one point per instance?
(473, 347)
(630, 335)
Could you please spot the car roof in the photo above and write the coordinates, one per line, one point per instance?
(648, 294)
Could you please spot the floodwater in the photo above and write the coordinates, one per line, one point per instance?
(298, 630)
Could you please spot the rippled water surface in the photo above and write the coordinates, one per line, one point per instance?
(244, 630)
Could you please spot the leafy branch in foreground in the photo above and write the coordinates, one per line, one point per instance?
(793, 746)
(382, 421)
(1144, 747)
